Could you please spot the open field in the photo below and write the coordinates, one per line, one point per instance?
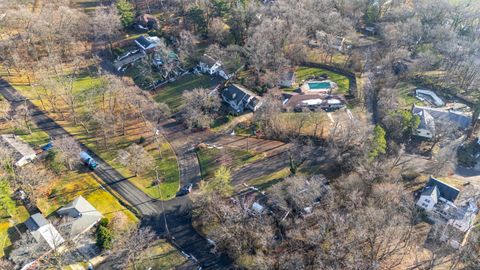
(171, 93)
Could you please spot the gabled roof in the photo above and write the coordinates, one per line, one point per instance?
(446, 191)
(433, 192)
(36, 221)
(84, 214)
(426, 120)
(460, 120)
(12, 142)
(42, 230)
(20, 148)
(147, 42)
(208, 60)
(236, 93)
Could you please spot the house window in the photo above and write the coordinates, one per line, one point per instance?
(427, 200)
(425, 205)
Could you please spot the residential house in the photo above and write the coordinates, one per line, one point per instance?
(436, 191)
(212, 66)
(429, 116)
(209, 65)
(128, 58)
(82, 214)
(426, 127)
(430, 97)
(287, 79)
(454, 220)
(43, 231)
(314, 102)
(324, 39)
(147, 43)
(21, 151)
(240, 99)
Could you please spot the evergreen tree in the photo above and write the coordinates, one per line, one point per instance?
(125, 10)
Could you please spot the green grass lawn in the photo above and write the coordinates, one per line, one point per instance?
(406, 97)
(210, 159)
(7, 226)
(167, 165)
(74, 184)
(167, 162)
(171, 93)
(37, 138)
(303, 73)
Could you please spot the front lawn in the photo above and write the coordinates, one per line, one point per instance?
(73, 184)
(37, 138)
(211, 159)
(171, 93)
(134, 131)
(304, 73)
(166, 161)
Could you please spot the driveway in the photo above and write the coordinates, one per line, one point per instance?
(176, 211)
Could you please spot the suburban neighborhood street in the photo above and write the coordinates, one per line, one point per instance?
(181, 232)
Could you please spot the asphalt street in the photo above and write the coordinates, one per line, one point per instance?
(178, 225)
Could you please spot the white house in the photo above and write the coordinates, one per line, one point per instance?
(436, 191)
(44, 231)
(21, 151)
(454, 221)
(209, 65)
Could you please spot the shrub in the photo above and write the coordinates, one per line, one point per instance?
(103, 222)
(104, 235)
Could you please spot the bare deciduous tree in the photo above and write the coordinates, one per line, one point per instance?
(69, 150)
(137, 159)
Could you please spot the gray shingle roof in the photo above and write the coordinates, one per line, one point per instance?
(20, 148)
(36, 221)
(83, 213)
(446, 191)
(462, 121)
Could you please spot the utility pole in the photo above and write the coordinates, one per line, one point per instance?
(163, 208)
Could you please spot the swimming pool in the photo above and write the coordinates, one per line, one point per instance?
(319, 86)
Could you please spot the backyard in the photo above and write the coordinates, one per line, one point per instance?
(8, 222)
(304, 73)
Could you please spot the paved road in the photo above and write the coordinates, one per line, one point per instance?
(176, 211)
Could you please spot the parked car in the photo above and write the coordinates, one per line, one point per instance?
(47, 146)
(88, 160)
(185, 190)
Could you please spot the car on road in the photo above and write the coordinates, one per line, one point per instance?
(185, 190)
(88, 160)
(47, 146)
